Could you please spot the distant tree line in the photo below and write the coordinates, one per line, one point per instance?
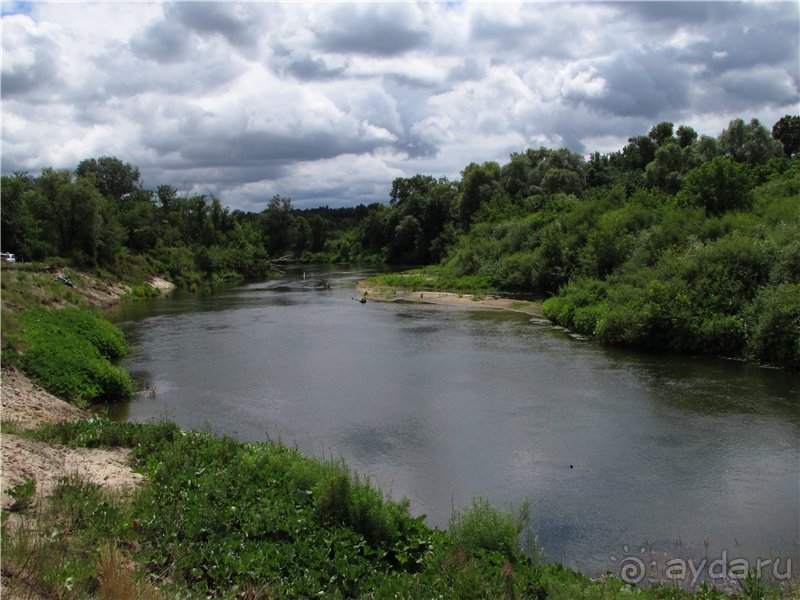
(676, 241)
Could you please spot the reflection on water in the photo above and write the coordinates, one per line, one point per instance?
(441, 404)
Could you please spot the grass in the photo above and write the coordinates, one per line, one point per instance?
(26, 285)
(54, 549)
(222, 518)
(433, 279)
(69, 352)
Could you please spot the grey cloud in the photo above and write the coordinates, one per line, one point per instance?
(344, 195)
(469, 69)
(189, 142)
(312, 69)
(671, 13)
(161, 42)
(43, 73)
(27, 79)
(509, 35)
(760, 88)
(249, 147)
(639, 84)
(416, 147)
(758, 44)
(377, 31)
(546, 30)
(178, 172)
(236, 22)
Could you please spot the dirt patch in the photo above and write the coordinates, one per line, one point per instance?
(47, 463)
(395, 294)
(26, 405)
(158, 283)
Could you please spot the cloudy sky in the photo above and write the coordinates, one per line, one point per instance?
(328, 103)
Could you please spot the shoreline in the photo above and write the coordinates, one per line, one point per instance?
(492, 302)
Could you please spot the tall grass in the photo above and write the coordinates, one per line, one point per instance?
(222, 518)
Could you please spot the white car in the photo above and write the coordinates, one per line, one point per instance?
(8, 257)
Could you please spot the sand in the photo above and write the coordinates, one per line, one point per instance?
(26, 405)
(395, 294)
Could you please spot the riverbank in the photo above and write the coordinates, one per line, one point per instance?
(384, 293)
(24, 405)
(219, 517)
(27, 406)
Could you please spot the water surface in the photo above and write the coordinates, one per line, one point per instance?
(682, 455)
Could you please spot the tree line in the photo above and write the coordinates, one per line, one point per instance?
(670, 242)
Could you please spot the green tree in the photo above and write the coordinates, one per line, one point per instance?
(638, 153)
(708, 147)
(277, 225)
(748, 143)
(19, 228)
(669, 165)
(787, 131)
(78, 220)
(478, 184)
(686, 136)
(662, 133)
(113, 177)
(718, 186)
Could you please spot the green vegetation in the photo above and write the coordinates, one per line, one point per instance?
(674, 243)
(431, 278)
(69, 352)
(220, 518)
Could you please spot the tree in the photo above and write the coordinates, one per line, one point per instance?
(598, 171)
(277, 225)
(113, 177)
(718, 186)
(661, 133)
(639, 152)
(406, 246)
(76, 218)
(751, 143)
(478, 184)
(787, 131)
(708, 147)
(409, 189)
(686, 136)
(18, 224)
(669, 165)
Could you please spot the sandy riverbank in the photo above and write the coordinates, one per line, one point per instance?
(26, 405)
(396, 294)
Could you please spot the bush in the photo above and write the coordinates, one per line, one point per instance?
(718, 186)
(68, 352)
(774, 326)
(482, 526)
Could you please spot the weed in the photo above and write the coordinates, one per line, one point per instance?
(482, 526)
(23, 494)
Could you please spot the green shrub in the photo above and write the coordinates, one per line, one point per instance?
(99, 431)
(68, 352)
(515, 271)
(774, 326)
(22, 494)
(482, 526)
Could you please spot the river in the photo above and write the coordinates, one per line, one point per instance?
(620, 453)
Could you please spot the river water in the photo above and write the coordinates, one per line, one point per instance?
(619, 453)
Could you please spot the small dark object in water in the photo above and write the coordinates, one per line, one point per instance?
(570, 466)
(362, 300)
